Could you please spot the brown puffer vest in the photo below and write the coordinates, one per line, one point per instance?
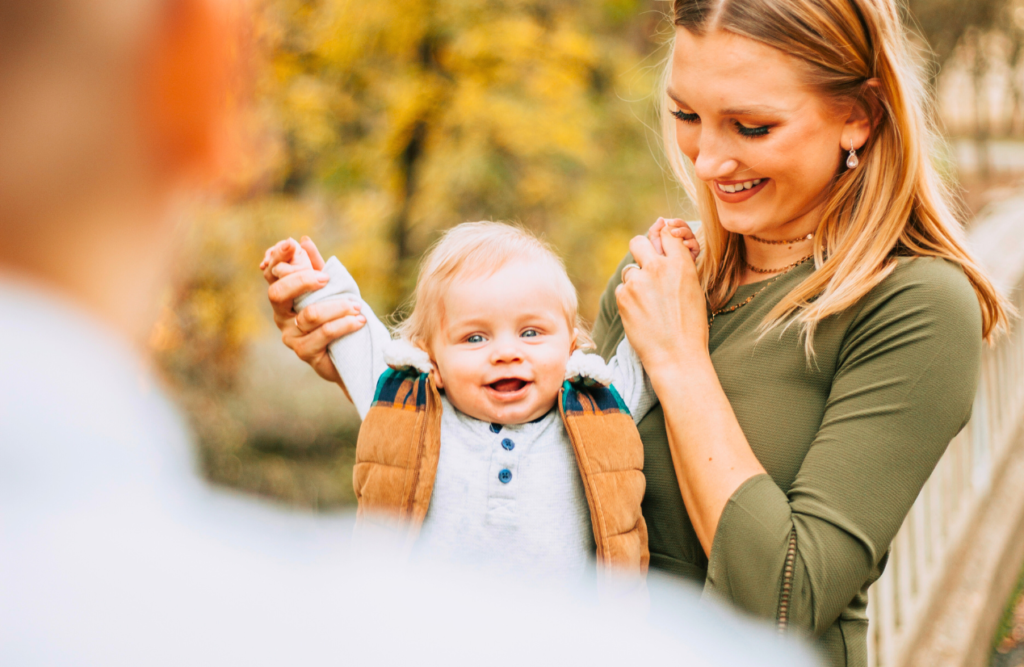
(400, 442)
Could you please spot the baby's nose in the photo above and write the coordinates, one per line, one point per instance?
(506, 353)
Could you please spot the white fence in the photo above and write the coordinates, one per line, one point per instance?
(950, 500)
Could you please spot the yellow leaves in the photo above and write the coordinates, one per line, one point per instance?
(387, 121)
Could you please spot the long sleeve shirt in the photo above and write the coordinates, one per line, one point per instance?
(847, 438)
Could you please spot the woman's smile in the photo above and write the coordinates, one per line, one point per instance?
(734, 192)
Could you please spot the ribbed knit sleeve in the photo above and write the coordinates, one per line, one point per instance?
(903, 384)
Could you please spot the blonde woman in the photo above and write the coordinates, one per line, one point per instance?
(815, 362)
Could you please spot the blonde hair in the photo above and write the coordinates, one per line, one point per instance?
(478, 249)
(844, 44)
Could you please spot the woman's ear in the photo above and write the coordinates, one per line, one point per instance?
(865, 115)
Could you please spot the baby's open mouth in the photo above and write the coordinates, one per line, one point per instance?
(507, 385)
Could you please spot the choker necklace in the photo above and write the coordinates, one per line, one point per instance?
(766, 285)
(785, 268)
(797, 240)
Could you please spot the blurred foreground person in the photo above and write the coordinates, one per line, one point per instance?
(112, 552)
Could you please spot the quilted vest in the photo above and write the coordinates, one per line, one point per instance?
(400, 442)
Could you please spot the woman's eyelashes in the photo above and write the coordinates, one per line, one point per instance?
(685, 117)
(745, 130)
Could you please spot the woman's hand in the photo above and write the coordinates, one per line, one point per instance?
(662, 305)
(664, 312)
(678, 229)
(293, 269)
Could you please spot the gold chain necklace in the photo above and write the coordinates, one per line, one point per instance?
(782, 270)
(797, 240)
(767, 284)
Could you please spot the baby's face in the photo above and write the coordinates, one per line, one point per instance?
(503, 344)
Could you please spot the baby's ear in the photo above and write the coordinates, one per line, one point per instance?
(575, 340)
(435, 374)
(435, 377)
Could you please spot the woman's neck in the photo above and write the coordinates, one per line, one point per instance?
(776, 249)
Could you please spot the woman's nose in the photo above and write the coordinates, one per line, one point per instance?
(713, 159)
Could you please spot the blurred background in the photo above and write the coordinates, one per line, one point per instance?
(378, 124)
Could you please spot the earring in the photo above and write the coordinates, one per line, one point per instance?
(852, 160)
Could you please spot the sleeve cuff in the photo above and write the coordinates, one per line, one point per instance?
(749, 551)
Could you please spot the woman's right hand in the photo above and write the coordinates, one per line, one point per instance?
(307, 334)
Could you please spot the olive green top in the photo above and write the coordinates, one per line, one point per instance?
(847, 438)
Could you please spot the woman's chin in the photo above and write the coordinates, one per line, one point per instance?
(744, 227)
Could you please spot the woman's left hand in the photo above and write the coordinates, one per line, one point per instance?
(662, 304)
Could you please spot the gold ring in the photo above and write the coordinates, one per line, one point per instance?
(631, 265)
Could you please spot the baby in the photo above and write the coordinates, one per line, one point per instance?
(486, 429)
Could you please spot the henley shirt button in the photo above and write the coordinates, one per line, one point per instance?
(495, 428)
(505, 476)
(508, 444)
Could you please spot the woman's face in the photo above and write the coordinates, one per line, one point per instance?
(764, 142)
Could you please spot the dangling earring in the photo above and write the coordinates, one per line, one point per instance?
(852, 160)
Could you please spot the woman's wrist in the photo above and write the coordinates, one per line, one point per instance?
(681, 360)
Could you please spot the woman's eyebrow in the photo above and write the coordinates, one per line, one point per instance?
(752, 110)
(755, 110)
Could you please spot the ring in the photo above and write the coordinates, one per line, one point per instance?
(631, 265)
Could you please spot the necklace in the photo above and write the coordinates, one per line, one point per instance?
(782, 270)
(796, 240)
(767, 284)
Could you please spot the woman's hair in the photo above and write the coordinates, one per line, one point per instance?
(893, 203)
(477, 250)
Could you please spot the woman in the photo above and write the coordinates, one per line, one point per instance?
(815, 362)
(808, 399)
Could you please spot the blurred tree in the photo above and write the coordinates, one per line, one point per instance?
(379, 124)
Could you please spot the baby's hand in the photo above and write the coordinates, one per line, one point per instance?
(287, 257)
(679, 229)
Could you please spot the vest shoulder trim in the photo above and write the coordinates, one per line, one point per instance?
(591, 400)
(401, 389)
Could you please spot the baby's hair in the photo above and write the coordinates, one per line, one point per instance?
(478, 249)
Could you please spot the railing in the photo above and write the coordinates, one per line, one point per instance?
(956, 491)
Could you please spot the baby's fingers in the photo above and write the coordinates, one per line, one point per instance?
(679, 228)
(282, 251)
(654, 235)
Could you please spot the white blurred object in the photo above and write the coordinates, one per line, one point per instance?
(113, 552)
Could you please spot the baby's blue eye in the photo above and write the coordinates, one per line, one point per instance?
(475, 338)
(530, 333)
